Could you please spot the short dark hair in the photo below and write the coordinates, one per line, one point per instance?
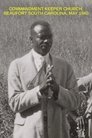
(40, 22)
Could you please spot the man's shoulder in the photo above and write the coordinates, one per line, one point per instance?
(22, 59)
(61, 61)
(20, 63)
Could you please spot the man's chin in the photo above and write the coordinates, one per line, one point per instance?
(44, 53)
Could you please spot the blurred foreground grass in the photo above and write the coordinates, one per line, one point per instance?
(6, 115)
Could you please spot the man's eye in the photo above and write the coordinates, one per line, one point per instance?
(39, 37)
(44, 37)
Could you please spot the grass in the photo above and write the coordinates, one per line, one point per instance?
(72, 41)
(6, 115)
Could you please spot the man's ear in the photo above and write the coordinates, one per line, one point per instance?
(31, 39)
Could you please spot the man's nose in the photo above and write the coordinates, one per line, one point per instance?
(45, 41)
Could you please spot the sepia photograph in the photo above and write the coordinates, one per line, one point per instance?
(45, 69)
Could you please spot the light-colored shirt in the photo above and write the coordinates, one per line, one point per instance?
(38, 59)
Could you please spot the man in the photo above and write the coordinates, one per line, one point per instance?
(85, 84)
(42, 89)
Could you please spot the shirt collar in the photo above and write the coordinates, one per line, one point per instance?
(38, 56)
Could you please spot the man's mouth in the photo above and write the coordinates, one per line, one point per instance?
(44, 46)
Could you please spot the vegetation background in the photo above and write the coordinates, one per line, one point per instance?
(72, 41)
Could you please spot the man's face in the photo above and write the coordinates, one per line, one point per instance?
(41, 39)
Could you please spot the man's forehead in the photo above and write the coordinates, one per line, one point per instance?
(38, 28)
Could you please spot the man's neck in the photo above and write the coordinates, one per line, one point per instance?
(39, 59)
(39, 55)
